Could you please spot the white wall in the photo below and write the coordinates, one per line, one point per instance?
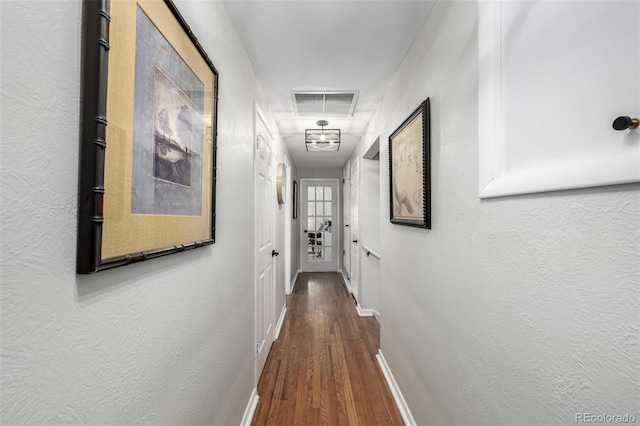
(283, 277)
(295, 225)
(369, 229)
(168, 341)
(517, 310)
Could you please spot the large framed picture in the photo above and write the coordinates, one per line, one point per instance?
(148, 135)
(410, 170)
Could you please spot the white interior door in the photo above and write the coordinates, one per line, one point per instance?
(354, 231)
(346, 244)
(265, 217)
(318, 225)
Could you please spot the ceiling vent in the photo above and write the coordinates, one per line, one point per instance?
(324, 104)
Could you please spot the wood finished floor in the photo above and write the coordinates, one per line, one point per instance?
(322, 369)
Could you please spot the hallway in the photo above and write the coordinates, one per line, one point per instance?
(322, 369)
(520, 305)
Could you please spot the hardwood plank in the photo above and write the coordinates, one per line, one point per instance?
(322, 370)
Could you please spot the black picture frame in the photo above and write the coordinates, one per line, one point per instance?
(410, 170)
(102, 41)
(295, 199)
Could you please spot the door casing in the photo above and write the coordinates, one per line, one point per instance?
(336, 218)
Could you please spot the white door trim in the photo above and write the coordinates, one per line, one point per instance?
(337, 219)
(354, 229)
(288, 225)
(346, 228)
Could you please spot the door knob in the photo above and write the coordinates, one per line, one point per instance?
(355, 241)
(274, 253)
(625, 122)
(305, 231)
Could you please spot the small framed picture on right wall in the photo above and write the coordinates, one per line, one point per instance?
(410, 170)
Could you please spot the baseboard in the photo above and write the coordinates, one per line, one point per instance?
(346, 282)
(293, 282)
(280, 321)
(367, 312)
(395, 391)
(251, 408)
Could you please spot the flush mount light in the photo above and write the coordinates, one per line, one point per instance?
(322, 139)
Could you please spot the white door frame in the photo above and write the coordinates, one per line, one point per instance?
(337, 219)
(346, 230)
(288, 224)
(354, 231)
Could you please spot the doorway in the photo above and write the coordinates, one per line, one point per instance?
(352, 211)
(319, 225)
(346, 234)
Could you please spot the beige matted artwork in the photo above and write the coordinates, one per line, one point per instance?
(148, 137)
(410, 171)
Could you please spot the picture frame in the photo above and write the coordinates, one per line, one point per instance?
(410, 170)
(295, 199)
(147, 178)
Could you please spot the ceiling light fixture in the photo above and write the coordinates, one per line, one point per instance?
(322, 139)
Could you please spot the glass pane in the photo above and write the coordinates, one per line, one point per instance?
(327, 193)
(319, 209)
(327, 239)
(318, 193)
(318, 225)
(311, 224)
(311, 211)
(327, 254)
(312, 257)
(326, 222)
(311, 193)
(327, 208)
(313, 248)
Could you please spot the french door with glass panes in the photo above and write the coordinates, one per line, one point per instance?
(318, 225)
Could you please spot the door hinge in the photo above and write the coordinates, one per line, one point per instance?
(258, 347)
(344, 252)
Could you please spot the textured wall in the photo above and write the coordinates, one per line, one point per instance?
(168, 341)
(518, 310)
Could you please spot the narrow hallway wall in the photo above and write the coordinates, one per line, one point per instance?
(369, 228)
(167, 341)
(517, 310)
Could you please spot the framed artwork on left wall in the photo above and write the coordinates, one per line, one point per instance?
(148, 136)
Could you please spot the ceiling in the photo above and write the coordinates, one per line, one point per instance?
(330, 45)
